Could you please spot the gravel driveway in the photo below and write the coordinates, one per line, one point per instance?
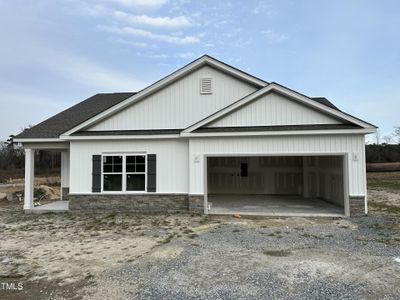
(338, 259)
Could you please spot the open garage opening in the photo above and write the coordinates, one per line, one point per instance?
(277, 185)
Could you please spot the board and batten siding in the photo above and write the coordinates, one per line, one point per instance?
(181, 102)
(273, 109)
(172, 162)
(352, 145)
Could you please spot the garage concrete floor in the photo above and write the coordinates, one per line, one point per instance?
(271, 205)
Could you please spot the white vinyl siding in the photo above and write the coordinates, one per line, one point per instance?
(349, 145)
(172, 164)
(181, 102)
(180, 162)
(273, 109)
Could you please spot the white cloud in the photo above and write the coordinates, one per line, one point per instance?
(186, 55)
(84, 71)
(152, 55)
(274, 37)
(263, 8)
(148, 34)
(142, 3)
(134, 43)
(26, 108)
(169, 22)
(90, 73)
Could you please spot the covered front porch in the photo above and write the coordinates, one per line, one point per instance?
(32, 204)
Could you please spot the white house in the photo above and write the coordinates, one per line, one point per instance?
(207, 138)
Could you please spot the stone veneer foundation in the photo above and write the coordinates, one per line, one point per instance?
(159, 203)
(357, 206)
(65, 193)
(144, 203)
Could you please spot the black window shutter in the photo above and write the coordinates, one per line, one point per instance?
(96, 174)
(151, 172)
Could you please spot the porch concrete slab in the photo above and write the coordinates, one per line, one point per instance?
(53, 207)
(271, 205)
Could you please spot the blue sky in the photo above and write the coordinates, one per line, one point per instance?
(54, 54)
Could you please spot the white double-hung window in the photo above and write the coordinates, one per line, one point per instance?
(124, 172)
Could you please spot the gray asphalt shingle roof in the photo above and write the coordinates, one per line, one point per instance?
(75, 115)
(325, 101)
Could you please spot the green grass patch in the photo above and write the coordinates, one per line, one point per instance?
(385, 184)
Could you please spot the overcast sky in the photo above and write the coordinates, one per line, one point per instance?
(55, 53)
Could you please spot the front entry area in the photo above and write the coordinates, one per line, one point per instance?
(277, 185)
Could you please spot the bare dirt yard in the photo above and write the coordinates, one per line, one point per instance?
(182, 256)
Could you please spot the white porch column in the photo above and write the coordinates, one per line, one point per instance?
(29, 178)
(64, 171)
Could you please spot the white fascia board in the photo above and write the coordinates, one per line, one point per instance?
(119, 137)
(166, 81)
(286, 92)
(277, 133)
(37, 140)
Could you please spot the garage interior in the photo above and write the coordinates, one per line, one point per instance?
(276, 185)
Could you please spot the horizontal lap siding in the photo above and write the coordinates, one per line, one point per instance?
(172, 164)
(285, 145)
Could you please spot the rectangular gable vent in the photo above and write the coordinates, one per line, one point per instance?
(205, 86)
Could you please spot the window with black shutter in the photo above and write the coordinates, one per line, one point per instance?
(126, 173)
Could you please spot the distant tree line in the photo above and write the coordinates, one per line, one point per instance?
(12, 157)
(384, 149)
(382, 153)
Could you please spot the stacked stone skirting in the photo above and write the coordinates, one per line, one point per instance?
(64, 193)
(196, 204)
(145, 203)
(357, 206)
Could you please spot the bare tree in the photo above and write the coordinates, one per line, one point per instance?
(387, 139)
(396, 133)
(377, 137)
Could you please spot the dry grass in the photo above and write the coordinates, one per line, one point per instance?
(383, 167)
(384, 180)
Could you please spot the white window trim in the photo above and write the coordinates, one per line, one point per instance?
(124, 173)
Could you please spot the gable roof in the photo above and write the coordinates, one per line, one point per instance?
(321, 105)
(73, 116)
(189, 68)
(94, 109)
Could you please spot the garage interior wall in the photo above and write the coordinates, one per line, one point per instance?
(309, 176)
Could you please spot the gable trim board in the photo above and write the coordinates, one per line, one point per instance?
(273, 87)
(189, 68)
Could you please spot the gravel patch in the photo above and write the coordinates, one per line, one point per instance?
(340, 259)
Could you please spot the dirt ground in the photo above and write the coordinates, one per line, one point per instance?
(67, 256)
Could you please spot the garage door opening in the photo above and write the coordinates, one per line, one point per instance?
(276, 185)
